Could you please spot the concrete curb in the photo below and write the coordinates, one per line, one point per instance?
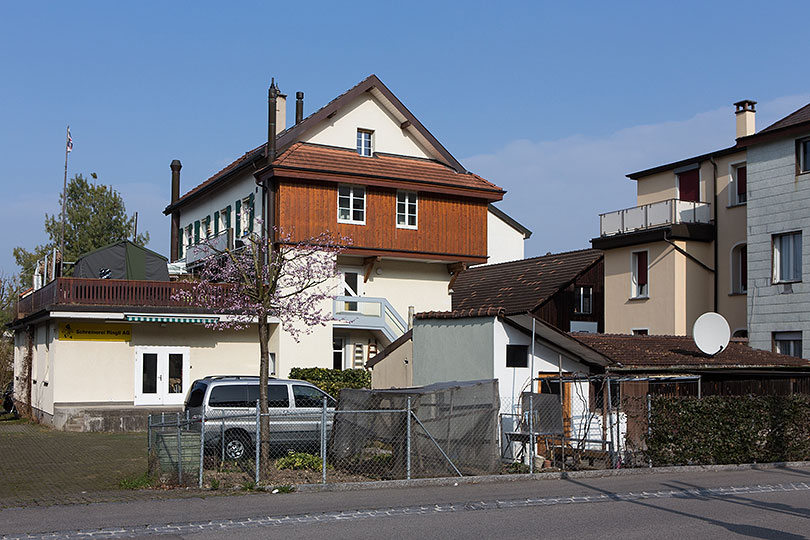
(504, 478)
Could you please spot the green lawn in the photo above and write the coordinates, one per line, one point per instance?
(42, 466)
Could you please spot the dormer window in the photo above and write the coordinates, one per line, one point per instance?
(364, 142)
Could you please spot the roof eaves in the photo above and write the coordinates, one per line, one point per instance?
(697, 159)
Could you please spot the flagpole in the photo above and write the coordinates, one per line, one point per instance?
(64, 200)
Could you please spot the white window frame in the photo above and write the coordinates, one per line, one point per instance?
(634, 330)
(792, 341)
(341, 350)
(408, 198)
(735, 265)
(579, 307)
(803, 167)
(189, 234)
(244, 217)
(205, 228)
(733, 199)
(779, 246)
(352, 197)
(636, 290)
(365, 142)
(222, 219)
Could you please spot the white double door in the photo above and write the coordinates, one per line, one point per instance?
(161, 375)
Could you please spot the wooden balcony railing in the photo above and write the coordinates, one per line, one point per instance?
(104, 292)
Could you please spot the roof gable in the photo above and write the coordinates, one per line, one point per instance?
(796, 117)
(520, 286)
(370, 91)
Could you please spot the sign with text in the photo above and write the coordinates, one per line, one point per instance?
(94, 332)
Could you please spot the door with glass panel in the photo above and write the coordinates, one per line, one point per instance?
(352, 285)
(161, 375)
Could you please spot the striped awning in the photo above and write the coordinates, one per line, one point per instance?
(171, 319)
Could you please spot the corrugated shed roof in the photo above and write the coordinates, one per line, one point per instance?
(672, 352)
(519, 286)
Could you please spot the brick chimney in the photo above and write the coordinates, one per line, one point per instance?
(746, 115)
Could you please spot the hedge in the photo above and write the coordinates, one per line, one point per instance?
(332, 380)
(728, 429)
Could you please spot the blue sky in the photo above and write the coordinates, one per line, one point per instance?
(554, 101)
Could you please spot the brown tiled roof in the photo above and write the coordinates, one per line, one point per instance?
(680, 352)
(329, 159)
(460, 313)
(797, 117)
(519, 286)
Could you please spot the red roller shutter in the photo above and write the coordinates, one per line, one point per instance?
(689, 185)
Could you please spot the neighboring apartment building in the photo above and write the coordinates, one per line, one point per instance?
(778, 221)
(681, 251)
(364, 167)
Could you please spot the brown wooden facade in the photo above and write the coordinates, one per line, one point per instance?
(450, 228)
(559, 310)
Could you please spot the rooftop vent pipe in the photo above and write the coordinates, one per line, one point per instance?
(299, 107)
(272, 98)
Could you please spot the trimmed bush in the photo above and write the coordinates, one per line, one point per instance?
(297, 461)
(332, 381)
(729, 429)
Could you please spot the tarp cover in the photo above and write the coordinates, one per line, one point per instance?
(457, 421)
(122, 260)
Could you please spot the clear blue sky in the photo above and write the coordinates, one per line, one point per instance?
(554, 101)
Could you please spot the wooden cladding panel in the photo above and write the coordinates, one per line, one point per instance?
(447, 225)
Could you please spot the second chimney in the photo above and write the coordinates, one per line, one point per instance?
(299, 107)
(746, 116)
(281, 113)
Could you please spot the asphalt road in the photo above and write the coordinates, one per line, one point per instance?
(771, 503)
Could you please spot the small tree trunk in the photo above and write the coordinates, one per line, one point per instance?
(264, 375)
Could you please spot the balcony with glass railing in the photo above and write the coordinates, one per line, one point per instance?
(650, 216)
(366, 313)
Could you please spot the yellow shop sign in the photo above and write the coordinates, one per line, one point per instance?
(94, 332)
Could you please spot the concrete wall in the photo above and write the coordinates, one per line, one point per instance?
(778, 202)
(396, 370)
(403, 283)
(369, 114)
(453, 350)
(504, 242)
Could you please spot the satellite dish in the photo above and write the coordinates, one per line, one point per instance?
(711, 333)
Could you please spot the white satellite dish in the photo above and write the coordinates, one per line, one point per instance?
(711, 333)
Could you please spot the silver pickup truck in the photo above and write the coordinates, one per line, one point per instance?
(228, 404)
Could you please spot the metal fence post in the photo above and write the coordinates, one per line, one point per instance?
(649, 427)
(408, 440)
(222, 436)
(531, 426)
(258, 440)
(202, 447)
(149, 434)
(179, 453)
(323, 441)
(609, 420)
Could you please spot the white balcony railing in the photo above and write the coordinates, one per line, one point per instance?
(363, 312)
(649, 216)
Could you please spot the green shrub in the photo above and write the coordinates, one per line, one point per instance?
(137, 481)
(728, 429)
(299, 461)
(332, 381)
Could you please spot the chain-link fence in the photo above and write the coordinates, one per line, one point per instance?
(584, 421)
(372, 435)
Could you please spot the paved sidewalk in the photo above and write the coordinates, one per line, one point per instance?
(224, 517)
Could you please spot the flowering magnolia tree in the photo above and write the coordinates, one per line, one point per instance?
(291, 284)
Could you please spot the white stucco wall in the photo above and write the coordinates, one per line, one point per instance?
(504, 242)
(402, 283)
(366, 113)
(234, 190)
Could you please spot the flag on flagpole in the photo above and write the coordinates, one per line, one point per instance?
(69, 141)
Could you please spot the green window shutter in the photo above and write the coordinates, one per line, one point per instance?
(251, 213)
(238, 219)
(228, 217)
(197, 232)
(216, 223)
(180, 243)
